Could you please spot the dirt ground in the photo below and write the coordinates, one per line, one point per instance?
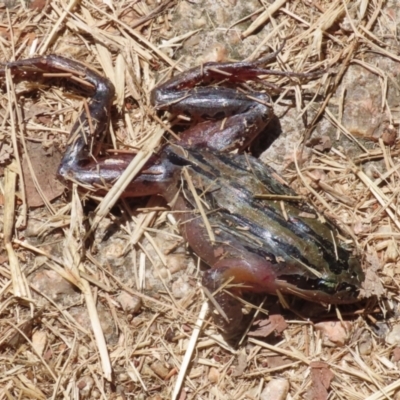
(101, 297)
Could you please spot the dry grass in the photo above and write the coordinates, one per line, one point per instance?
(78, 337)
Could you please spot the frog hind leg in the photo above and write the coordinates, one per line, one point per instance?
(240, 123)
(232, 119)
(92, 123)
(81, 162)
(78, 163)
(244, 275)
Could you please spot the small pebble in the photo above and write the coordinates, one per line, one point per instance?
(216, 53)
(365, 344)
(83, 352)
(334, 333)
(276, 389)
(213, 375)
(39, 341)
(159, 369)
(130, 304)
(391, 253)
(53, 286)
(393, 337)
(85, 386)
(176, 262)
(115, 250)
(180, 288)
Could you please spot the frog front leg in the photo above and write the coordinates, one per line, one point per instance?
(244, 273)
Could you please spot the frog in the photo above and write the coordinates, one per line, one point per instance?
(227, 202)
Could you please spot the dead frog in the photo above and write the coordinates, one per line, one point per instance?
(243, 238)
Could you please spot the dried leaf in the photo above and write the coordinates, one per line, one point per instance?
(37, 4)
(277, 361)
(242, 363)
(275, 323)
(334, 333)
(45, 166)
(372, 285)
(5, 152)
(14, 338)
(36, 110)
(321, 377)
(39, 341)
(396, 354)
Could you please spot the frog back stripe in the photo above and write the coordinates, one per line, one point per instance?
(301, 238)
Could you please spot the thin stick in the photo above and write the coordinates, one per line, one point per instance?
(189, 351)
(56, 27)
(199, 205)
(264, 17)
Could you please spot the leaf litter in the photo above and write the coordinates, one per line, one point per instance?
(61, 354)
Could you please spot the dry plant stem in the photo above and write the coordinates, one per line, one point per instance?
(141, 224)
(157, 11)
(105, 58)
(379, 195)
(13, 100)
(177, 39)
(278, 197)
(352, 371)
(56, 27)
(9, 202)
(17, 277)
(66, 364)
(125, 179)
(137, 375)
(375, 378)
(249, 325)
(309, 188)
(266, 371)
(350, 50)
(143, 221)
(20, 331)
(11, 33)
(190, 350)
(338, 196)
(140, 37)
(58, 265)
(292, 354)
(385, 392)
(264, 17)
(264, 42)
(74, 262)
(199, 205)
(46, 202)
(342, 129)
(130, 290)
(216, 305)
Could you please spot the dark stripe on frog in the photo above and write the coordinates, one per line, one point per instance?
(347, 290)
(283, 247)
(299, 227)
